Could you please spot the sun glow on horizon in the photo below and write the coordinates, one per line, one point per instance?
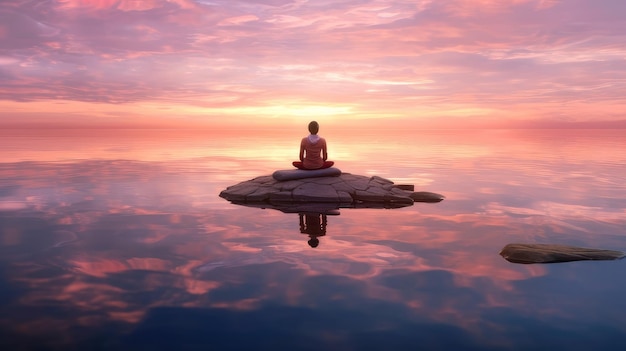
(189, 63)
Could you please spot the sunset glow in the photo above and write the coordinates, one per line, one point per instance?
(416, 64)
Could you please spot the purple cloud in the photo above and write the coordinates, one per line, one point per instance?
(366, 53)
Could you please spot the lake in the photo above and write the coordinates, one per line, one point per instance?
(118, 240)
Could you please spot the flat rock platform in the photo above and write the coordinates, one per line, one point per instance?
(344, 190)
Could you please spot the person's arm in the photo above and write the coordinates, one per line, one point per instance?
(302, 150)
(324, 151)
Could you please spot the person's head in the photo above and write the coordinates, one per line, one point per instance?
(314, 127)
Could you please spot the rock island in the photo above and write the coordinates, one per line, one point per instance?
(325, 186)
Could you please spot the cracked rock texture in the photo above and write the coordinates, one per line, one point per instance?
(345, 189)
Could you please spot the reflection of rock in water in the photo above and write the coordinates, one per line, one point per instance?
(548, 253)
(345, 190)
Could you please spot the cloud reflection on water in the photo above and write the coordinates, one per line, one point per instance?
(122, 245)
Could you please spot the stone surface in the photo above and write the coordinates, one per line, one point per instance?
(425, 196)
(345, 190)
(548, 253)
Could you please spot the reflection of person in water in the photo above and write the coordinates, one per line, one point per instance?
(313, 224)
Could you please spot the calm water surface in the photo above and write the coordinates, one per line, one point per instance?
(119, 241)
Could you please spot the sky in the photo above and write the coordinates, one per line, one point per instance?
(271, 63)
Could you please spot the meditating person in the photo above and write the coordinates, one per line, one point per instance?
(313, 153)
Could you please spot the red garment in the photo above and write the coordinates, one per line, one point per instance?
(299, 165)
(313, 153)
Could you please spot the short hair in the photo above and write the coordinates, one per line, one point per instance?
(314, 127)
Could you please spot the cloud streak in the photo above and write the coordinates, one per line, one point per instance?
(481, 61)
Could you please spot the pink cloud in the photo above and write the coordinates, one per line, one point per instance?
(539, 56)
(122, 5)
